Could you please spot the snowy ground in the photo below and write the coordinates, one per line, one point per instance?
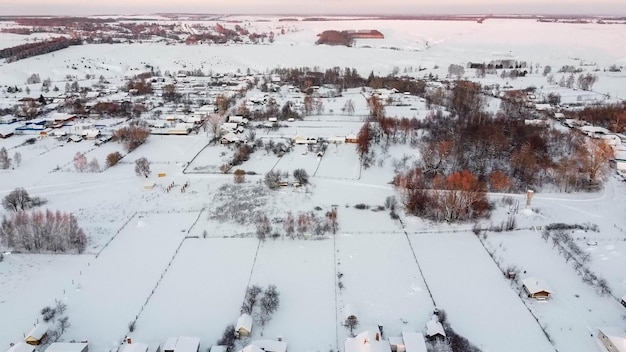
(136, 233)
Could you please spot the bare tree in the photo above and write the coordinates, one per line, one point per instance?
(332, 223)
(263, 227)
(352, 323)
(113, 158)
(348, 107)
(272, 179)
(252, 294)
(5, 161)
(17, 157)
(63, 324)
(94, 166)
(301, 176)
(269, 303)
(142, 167)
(80, 162)
(17, 200)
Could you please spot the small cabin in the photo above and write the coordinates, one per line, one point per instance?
(244, 326)
(536, 288)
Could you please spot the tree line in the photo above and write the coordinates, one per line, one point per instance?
(24, 51)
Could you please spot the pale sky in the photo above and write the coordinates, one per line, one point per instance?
(345, 7)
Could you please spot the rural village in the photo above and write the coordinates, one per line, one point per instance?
(402, 195)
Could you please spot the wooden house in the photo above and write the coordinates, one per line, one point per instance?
(36, 335)
(536, 288)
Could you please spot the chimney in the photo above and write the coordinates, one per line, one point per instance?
(529, 197)
(377, 336)
(279, 338)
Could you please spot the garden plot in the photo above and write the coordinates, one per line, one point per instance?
(169, 149)
(304, 275)
(366, 221)
(108, 294)
(382, 282)
(608, 259)
(210, 159)
(201, 292)
(479, 302)
(340, 162)
(218, 229)
(35, 279)
(575, 310)
(298, 158)
(259, 162)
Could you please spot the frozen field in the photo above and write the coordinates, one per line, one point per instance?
(304, 275)
(138, 264)
(30, 282)
(116, 284)
(575, 310)
(382, 282)
(201, 292)
(469, 287)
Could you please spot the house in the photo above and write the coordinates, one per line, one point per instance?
(140, 347)
(90, 134)
(229, 137)
(243, 326)
(536, 288)
(271, 345)
(21, 347)
(6, 131)
(182, 344)
(367, 341)
(229, 127)
(613, 339)
(434, 329)
(412, 342)
(623, 301)
(68, 347)
(351, 138)
(299, 140)
(74, 138)
(237, 119)
(218, 348)
(7, 119)
(36, 335)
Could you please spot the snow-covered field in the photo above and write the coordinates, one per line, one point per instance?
(139, 266)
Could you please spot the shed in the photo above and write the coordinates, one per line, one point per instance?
(21, 347)
(140, 347)
(536, 288)
(413, 341)
(148, 186)
(36, 335)
(351, 138)
(68, 347)
(434, 329)
(244, 325)
(218, 348)
(613, 339)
